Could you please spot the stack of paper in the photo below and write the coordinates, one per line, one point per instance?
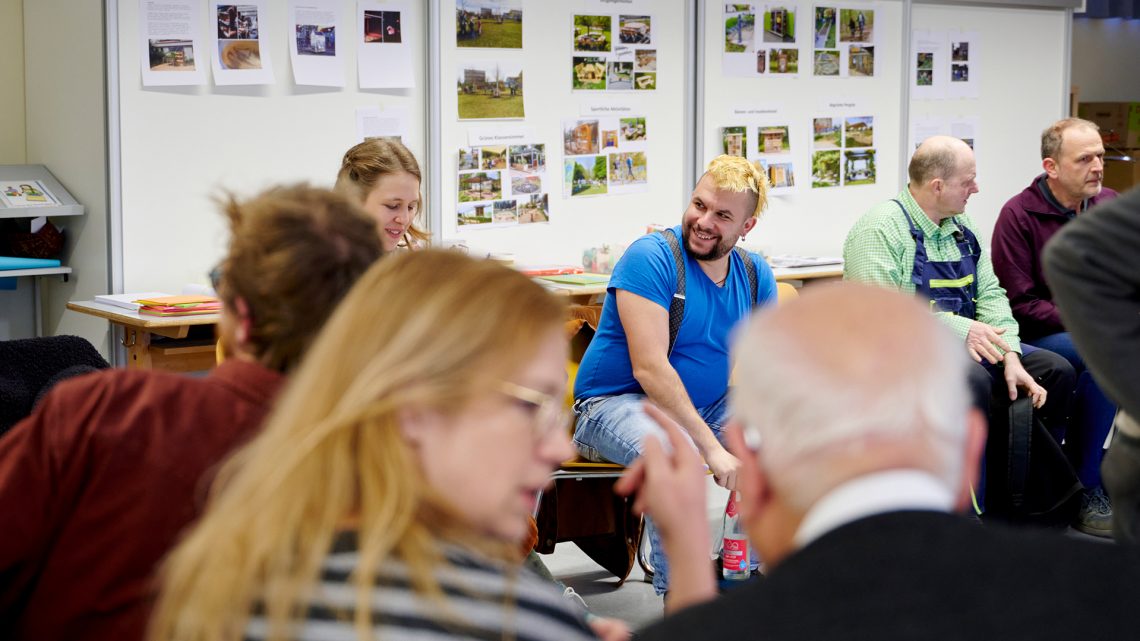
(804, 261)
(578, 279)
(179, 305)
(127, 301)
(548, 270)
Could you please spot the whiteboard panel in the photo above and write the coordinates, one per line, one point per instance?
(546, 61)
(182, 146)
(809, 221)
(1024, 89)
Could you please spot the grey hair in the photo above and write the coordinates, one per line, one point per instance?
(930, 162)
(802, 412)
(1053, 135)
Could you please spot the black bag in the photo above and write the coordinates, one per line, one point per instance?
(1029, 475)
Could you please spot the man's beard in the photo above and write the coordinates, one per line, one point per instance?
(719, 250)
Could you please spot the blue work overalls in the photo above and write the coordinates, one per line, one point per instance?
(951, 286)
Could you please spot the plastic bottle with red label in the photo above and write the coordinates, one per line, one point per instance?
(734, 550)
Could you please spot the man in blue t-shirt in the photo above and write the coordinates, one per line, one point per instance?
(629, 360)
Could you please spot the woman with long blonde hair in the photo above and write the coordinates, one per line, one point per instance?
(390, 487)
(384, 177)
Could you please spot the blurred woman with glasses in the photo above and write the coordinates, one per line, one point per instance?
(388, 492)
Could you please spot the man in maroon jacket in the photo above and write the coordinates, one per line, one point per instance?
(97, 484)
(1073, 158)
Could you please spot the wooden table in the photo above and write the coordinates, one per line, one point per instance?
(799, 276)
(182, 354)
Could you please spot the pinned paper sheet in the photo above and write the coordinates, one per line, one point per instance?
(172, 47)
(237, 40)
(384, 46)
(316, 27)
(373, 122)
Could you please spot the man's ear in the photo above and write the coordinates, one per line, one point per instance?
(971, 467)
(1050, 167)
(748, 225)
(751, 481)
(244, 322)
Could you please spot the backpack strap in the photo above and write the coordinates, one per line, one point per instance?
(677, 305)
(750, 272)
(1020, 439)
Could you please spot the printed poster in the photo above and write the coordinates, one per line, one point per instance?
(313, 51)
(614, 52)
(384, 49)
(843, 152)
(928, 75)
(489, 24)
(763, 134)
(843, 41)
(604, 154)
(502, 185)
(390, 123)
(172, 50)
(965, 64)
(26, 193)
(489, 90)
(760, 39)
(241, 56)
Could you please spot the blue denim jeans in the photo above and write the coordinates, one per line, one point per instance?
(612, 428)
(1091, 416)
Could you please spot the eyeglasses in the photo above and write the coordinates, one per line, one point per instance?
(549, 411)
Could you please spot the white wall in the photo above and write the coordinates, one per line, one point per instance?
(16, 315)
(1105, 53)
(66, 131)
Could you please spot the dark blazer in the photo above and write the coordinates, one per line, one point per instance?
(928, 576)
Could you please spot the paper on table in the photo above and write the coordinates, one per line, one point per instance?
(315, 28)
(172, 50)
(127, 301)
(384, 53)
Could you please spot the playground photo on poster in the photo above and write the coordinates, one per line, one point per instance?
(493, 157)
(780, 23)
(632, 129)
(925, 59)
(773, 140)
(316, 40)
(861, 61)
(859, 167)
(628, 168)
(525, 185)
(468, 158)
(489, 23)
(588, 73)
(826, 63)
(925, 78)
(619, 76)
(781, 175)
(479, 185)
(504, 211)
(382, 27)
(856, 25)
(734, 140)
(859, 131)
(824, 28)
(580, 137)
(739, 28)
(171, 55)
(489, 90)
(825, 169)
(592, 33)
(585, 176)
(645, 60)
(960, 51)
(959, 73)
(528, 159)
(825, 133)
(644, 80)
(534, 209)
(783, 61)
(634, 30)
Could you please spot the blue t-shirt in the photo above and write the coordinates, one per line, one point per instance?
(700, 354)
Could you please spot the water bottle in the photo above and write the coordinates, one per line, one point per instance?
(734, 551)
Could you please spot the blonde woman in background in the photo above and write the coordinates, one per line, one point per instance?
(385, 178)
(388, 492)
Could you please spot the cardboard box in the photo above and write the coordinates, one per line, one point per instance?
(1119, 122)
(1122, 175)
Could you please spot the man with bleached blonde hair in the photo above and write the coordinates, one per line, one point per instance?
(857, 449)
(663, 335)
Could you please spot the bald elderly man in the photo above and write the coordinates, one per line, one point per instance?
(921, 242)
(858, 450)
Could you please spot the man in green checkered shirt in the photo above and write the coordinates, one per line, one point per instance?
(922, 243)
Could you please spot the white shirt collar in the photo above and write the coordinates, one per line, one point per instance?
(872, 494)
